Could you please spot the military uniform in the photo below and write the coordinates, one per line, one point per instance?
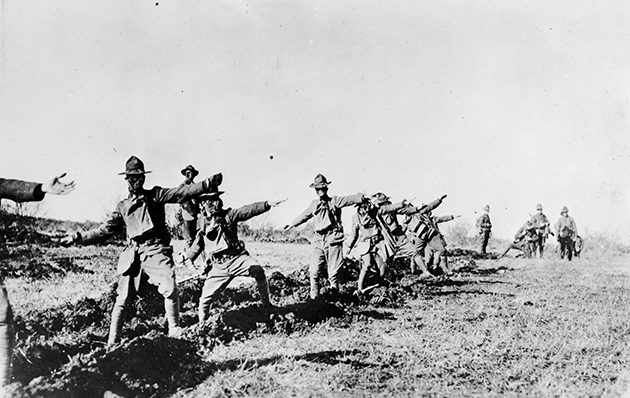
(566, 230)
(436, 255)
(542, 225)
(190, 209)
(18, 191)
(419, 230)
(148, 251)
(524, 240)
(375, 241)
(226, 254)
(484, 228)
(328, 247)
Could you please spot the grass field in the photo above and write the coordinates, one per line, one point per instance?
(497, 328)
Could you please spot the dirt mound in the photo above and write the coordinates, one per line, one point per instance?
(60, 352)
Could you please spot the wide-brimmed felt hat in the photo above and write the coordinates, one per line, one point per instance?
(564, 210)
(320, 182)
(212, 194)
(134, 166)
(486, 208)
(190, 167)
(379, 198)
(539, 206)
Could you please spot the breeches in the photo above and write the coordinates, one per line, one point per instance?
(329, 256)
(222, 274)
(158, 267)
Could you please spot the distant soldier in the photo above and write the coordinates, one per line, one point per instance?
(566, 231)
(543, 230)
(578, 245)
(328, 248)
(523, 240)
(20, 191)
(435, 253)
(149, 251)
(226, 254)
(373, 240)
(484, 228)
(190, 208)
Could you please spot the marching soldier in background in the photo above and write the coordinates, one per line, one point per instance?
(148, 250)
(226, 254)
(190, 208)
(484, 228)
(20, 191)
(542, 225)
(328, 249)
(524, 240)
(566, 231)
(375, 244)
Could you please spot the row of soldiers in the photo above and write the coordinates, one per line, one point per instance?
(532, 236)
(211, 230)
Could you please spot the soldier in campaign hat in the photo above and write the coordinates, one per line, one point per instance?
(148, 251)
(484, 228)
(226, 255)
(328, 248)
(566, 232)
(20, 191)
(542, 224)
(189, 208)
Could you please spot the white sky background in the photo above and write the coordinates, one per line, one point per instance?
(491, 102)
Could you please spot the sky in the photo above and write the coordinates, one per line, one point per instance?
(508, 104)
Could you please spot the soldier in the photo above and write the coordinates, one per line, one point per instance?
(148, 250)
(190, 208)
(523, 240)
(542, 225)
(20, 191)
(375, 245)
(436, 255)
(328, 249)
(226, 254)
(484, 228)
(566, 230)
(578, 245)
(419, 230)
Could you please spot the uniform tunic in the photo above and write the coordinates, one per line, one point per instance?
(218, 237)
(327, 249)
(143, 217)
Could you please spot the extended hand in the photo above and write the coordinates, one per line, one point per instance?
(274, 203)
(57, 187)
(288, 227)
(68, 240)
(443, 197)
(457, 216)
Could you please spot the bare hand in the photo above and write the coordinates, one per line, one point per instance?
(68, 240)
(274, 203)
(288, 227)
(443, 197)
(57, 187)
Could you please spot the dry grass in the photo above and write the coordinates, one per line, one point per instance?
(510, 328)
(542, 328)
